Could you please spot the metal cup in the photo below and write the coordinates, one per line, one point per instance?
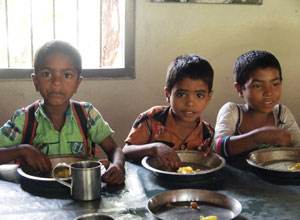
(86, 179)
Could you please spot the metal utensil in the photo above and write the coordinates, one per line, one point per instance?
(47, 185)
(208, 166)
(209, 203)
(86, 179)
(272, 164)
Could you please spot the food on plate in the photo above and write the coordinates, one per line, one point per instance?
(211, 217)
(187, 169)
(296, 167)
(182, 205)
(63, 173)
(194, 205)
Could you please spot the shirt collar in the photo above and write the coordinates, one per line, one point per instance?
(40, 112)
(166, 118)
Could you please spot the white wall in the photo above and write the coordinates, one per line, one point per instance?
(165, 30)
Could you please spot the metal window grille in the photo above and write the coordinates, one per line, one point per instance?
(102, 30)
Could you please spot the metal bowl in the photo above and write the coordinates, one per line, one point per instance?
(196, 159)
(273, 163)
(94, 216)
(175, 204)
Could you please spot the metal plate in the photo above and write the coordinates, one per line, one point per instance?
(94, 216)
(273, 163)
(196, 159)
(29, 175)
(209, 204)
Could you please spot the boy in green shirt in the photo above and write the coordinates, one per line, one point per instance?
(57, 69)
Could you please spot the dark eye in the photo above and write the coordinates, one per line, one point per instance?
(200, 95)
(46, 74)
(68, 75)
(276, 84)
(180, 94)
(256, 86)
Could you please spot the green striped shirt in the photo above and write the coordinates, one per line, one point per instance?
(52, 142)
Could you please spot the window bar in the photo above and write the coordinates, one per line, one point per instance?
(31, 34)
(53, 14)
(100, 43)
(7, 34)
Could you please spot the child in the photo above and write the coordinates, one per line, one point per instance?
(241, 128)
(162, 129)
(57, 70)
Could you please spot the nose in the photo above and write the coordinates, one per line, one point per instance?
(190, 101)
(268, 90)
(56, 80)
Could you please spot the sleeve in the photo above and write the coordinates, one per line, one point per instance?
(225, 127)
(11, 133)
(289, 124)
(98, 128)
(140, 132)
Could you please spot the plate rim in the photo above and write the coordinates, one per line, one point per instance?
(48, 179)
(239, 208)
(253, 164)
(147, 166)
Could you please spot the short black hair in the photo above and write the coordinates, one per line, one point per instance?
(57, 46)
(252, 60)
(189, 66)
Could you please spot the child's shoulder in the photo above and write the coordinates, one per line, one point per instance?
(87, 106)
(18, 115)
(17, 118)
(156, 109)
(230, 107)
(282, 111)
(153, 112)
(83, 103)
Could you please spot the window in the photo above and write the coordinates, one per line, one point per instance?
(102, 30)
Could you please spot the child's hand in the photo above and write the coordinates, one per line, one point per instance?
(168, 156)
(206, 149)
(113, 175)
(273, 136)
(34, 158)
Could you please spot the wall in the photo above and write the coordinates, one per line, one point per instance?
(164, 30)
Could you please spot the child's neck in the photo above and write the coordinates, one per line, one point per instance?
(56, 114)
(185, 128)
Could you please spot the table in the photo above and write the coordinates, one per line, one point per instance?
(260, 199)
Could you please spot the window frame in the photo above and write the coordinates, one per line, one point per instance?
(99, 73)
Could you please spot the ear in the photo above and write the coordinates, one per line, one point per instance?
(210, 95)
(238, 89)
(78, 83)
(35, 82)
(168, 94)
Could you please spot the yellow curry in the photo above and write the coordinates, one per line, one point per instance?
(296, 167)
(187, 169)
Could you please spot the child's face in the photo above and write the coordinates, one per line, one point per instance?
(57, 79)
(262, 90)
(188, 99)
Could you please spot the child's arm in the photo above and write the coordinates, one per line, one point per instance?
(167, 155)
(115, 172)
(266, 135)
(289, 124)
(32, 156)
(227, 143)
